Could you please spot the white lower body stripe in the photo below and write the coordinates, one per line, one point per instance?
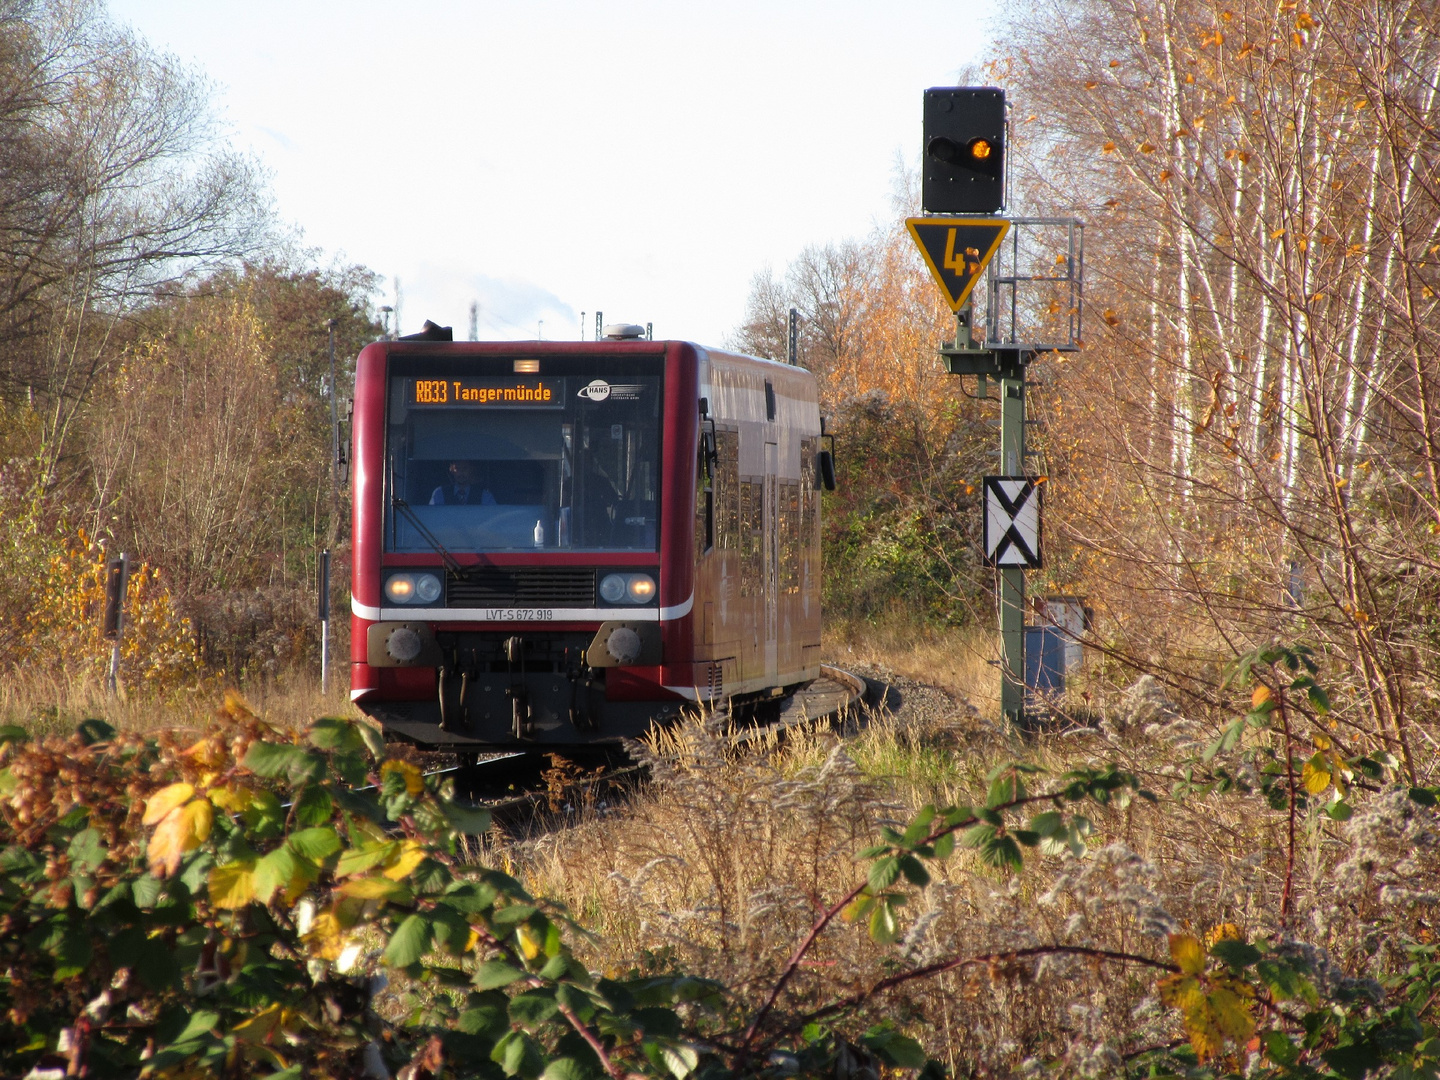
(523, 614)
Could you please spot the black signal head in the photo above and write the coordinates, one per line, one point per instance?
(964, 167)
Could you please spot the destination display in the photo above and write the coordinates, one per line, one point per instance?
(487, 393)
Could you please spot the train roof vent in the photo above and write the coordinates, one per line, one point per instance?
(624, 331)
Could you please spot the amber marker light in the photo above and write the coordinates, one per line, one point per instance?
(527, 367)
(641, 588)
(979, 149)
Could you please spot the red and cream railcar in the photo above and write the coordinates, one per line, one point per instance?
(562, 543)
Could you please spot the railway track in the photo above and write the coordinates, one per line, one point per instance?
(515, 787)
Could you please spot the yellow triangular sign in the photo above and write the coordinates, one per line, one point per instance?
(957, 250)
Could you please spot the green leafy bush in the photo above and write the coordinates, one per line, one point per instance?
(204, 910)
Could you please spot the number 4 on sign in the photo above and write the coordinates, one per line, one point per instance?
(967, 263)
(1012, 521)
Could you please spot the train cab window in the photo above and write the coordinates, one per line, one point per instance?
(705, 461)
(485, 463)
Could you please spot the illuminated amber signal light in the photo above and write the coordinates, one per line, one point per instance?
(979, 149)
(527, 367)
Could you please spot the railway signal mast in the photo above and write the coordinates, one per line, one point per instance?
(1032, 306)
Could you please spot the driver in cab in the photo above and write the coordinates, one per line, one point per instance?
(461, 489)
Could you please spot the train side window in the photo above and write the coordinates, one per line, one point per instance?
(751, 535)
(790, 535)
(726, 484)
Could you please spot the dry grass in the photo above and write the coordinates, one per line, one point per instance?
(49, 704)
(961, 660)
(720, 866)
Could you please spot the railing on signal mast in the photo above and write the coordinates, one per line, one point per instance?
(1035, 297)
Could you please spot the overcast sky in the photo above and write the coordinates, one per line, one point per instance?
(548, 158)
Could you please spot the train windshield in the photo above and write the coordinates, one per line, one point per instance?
(485, 463)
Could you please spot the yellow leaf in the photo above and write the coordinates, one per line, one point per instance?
(1108, 148)
(414, 781)
(1185, 993)
(1180, 991)
(232, 798)
(207, 752)
(1340, 776)
(1275, 234)
(1260, 696)
(183, 829)
(1316, 777)
(410, 855)
(232, 886)
(1230, 1012)
(198, 817)
(260, 1026)
(165, 800)
(530, 945)
(374, 888)
(236, 707)
(1322, 742)
(1224, 932)
(167, 845)
(1188, 953)
(856, 908)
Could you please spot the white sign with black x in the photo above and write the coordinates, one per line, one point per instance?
(1012, 521)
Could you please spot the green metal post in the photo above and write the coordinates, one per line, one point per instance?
(1006, 367)
(1012, 580)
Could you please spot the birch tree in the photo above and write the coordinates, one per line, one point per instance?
(1262, 451)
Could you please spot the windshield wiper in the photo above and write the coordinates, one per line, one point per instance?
(429, 537)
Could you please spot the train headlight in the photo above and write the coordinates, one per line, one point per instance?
(427, 588)
(400, 588)
(612, 588)
(413, 588)
(627, 588)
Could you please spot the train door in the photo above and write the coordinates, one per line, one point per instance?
(770, 516)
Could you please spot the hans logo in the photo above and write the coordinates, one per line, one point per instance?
(598, 390)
